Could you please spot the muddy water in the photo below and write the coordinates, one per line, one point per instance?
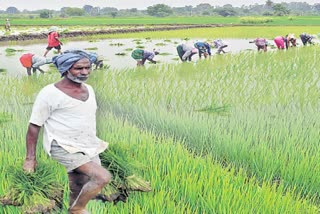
(109, 49)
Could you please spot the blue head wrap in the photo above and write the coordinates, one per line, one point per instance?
(93, 57)
(66, 60)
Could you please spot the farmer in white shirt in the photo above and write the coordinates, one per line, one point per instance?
(67, 112)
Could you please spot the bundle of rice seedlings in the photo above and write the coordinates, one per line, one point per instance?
(136, 183)
(125, 173)
(36, 192)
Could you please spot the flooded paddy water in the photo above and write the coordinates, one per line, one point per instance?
(116, 52)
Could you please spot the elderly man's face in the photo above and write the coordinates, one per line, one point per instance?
(80, 70)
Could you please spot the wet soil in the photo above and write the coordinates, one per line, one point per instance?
(138, 28)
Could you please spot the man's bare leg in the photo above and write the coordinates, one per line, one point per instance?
(76, 182)
(98, 178)
(46, 52)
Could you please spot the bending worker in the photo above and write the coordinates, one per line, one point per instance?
(291, 39)
(203, 48)
(142, 55)
(261, 44)
(185, 52)
(306, 38)
(284, 42)
(34, 61)
(96, 59)
(220, 45)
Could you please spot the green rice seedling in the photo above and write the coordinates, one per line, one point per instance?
(160, 44)
(36, 203)
(125, 170)
(121, 54)
(117, 160)
(184, 181)
(273, 107)
(4, 117)
(3, 70)
(140, 46)
(116, 44)
(128, 49)
(222, 110)
(10, 52)
(262, 157)
(255, 20)
(92, 48)
(165, 54)
(33, 191)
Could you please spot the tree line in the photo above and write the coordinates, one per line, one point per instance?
(268, 8)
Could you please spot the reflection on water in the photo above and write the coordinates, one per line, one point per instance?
(109, 48)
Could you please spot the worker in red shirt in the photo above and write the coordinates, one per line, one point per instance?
(53, 41)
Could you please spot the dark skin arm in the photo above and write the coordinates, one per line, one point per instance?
(30, 162)
(29, 71)
(145, 59)
(39, 69)
(151, 60)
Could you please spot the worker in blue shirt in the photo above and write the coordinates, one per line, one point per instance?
(203, 48)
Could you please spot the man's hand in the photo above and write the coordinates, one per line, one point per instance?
(29, 165)
(61, 43)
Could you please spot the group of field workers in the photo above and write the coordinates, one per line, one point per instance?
(284, 42)
(32, 61)
(185, 51)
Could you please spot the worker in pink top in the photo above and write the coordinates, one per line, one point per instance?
(53, 41)
(285, 42)
(261, 44)
(281, 42)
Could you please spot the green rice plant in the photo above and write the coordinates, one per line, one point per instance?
(259, 156)
(255, 20)
(223, 110)
(116, 44)
(194, 182)
(165, 54)
(4, 117)
(120, 54)
(263, 93)
(3, 70)
(92, 48)
(125, 174)
(11, 50)
(33, 191)
(160, 44)
(116, 160)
